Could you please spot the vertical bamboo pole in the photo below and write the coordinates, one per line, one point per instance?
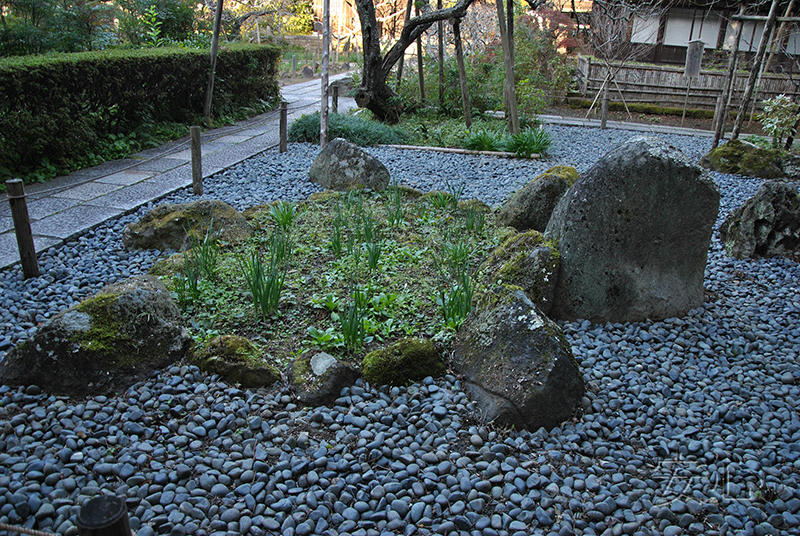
(721, 112)
(22, 228)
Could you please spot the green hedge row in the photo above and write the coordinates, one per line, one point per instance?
(55, 108)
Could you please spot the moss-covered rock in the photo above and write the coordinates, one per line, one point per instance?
(317, 378)
(406, 361)
(237, 360)
(175, 226)
(103, 344)
(532, 205)
(525, 261)
(517, 364)
(168, 267)
(743, 158)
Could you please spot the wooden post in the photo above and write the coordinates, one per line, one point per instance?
(106, 515)
(197, 161)
(335, 99)
(214, 51)
(22, 228)
(462, 73)
(284, 130)
(326, 46)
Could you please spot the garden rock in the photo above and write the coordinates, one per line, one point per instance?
(633, 233)
(237, 360)
(790, 165)
(531, 206)
(743, 158)
(526, 261)
(517, 364)
(766, 225)
(342, 165)
(317, 377)
(404, 362)
(307, 72)
(104, 344)
(173, 227)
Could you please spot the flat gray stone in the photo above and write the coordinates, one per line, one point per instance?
(6, 224)
(73, 221)
(130, 197)
(160, 164)
(87, 191)
(205, 149)
(47, 206)
(127, 177)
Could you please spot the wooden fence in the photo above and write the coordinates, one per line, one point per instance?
(666, 86)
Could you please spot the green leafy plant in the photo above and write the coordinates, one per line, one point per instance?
(357, 130)
(441, 200)
(455, 301)
(456, 192)
(778, 118)
(284, 215)
(395, 205)
(353, 320)
(203, 254)
(474, 220)
(529, 142)
(483, 140)
(152, 27)
(326, 340)
(264, 282)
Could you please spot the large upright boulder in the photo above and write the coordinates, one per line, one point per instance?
(532, 205)
(766, 225)
(175, 226)
(517, 364)
(104, 344)
(633, 234)
(342, 165)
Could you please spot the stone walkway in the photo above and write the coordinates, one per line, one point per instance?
(69, 205)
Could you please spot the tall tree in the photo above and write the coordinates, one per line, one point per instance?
(374, 93)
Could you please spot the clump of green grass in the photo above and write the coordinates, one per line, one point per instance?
(483, 140)
(529, 142)
(358, 130)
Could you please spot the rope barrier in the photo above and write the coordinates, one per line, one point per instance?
(23, 530)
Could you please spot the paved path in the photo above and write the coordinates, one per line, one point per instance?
(69, 205)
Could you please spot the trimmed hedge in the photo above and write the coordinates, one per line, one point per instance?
(54, 108)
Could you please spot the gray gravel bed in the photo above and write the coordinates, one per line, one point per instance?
(689, 425)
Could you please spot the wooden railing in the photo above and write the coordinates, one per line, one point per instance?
(666, 86)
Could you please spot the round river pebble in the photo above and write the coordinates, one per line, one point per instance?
(689, 425)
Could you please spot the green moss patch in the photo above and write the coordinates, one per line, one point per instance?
(406, 361)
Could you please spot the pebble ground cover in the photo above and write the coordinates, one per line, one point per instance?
(689, 425)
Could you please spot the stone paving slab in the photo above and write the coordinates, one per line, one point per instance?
(162, 164)
(233, 138)
(73, 221)
(87, 191)
(128, 198)
(127, 177)
(9, 251)
(41, 208)
(6, 224)
(205, 149)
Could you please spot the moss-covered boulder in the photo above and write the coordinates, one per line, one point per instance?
(317, 378)
(517, 364)
(743, 158)
(766, 225)
(168, 267)
(174, 227)
(406, 361)
(532, 205)
(526, 261)
(342, 165)
(237, 360)
(104, 344)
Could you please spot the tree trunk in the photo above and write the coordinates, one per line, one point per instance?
(440, 33)
(214, 50)
(403, 57)
(420, 67)
(462, 74)
(508, 60)
(604, 108)
(374, 93)
(751, 81)
(721, 113)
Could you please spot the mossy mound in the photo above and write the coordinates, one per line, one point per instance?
(742, 158)
(237, 360)
(168, 267)
(406, 361)
(524, 261)
(533, 204)
(176, 226)
(104, 344)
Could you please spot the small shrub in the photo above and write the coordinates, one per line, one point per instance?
(357, 130)
(483, 140)
(529, 142)
(780, 115)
